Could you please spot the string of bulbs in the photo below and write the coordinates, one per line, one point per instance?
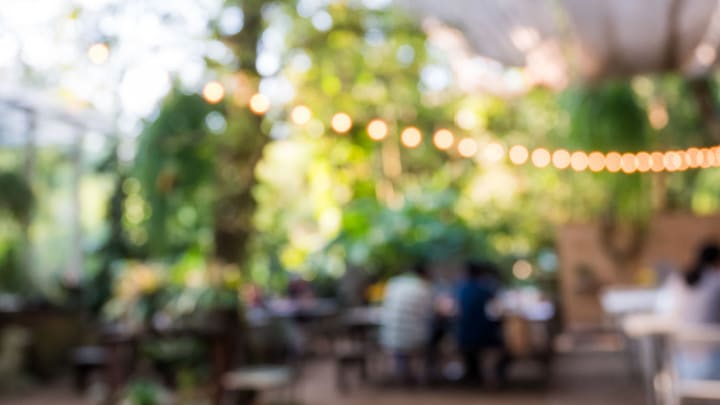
(444, 139)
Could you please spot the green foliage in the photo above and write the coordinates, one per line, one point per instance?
(144, 393)
(174, 165)
(17, 196)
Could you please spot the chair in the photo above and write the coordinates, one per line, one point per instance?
(278, 370)
(86, 360)
(353, 345)
(676, 387)
(248, 382)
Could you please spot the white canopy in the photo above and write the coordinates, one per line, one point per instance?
(585, 38)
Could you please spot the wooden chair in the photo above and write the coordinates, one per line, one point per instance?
(275, 373)
(85, 361)
(353, 344)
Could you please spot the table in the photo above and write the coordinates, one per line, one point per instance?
(651, 332)
(121, 345)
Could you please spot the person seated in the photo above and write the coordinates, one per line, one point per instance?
(405, 318)
(477, 331)
(700, 306)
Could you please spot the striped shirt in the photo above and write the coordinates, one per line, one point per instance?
(406, 313)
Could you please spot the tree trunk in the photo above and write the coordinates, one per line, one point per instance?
(240, 149)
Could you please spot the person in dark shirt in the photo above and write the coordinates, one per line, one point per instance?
(477, 331)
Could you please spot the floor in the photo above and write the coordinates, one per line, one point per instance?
(587, 379)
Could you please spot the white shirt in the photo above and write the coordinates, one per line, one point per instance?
(406, 313)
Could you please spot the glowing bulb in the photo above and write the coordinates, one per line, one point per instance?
(672, 161)
(692, 157)
(259, 104)
(98, 53)
(443, 139)
(213, 92)
(579, 161)
(377, 129)
(711, 158)
(657, 162)
(707, 155)
(658, 115)
(411, 137)
(628, 163)
(561, 159)
(466, 119)
(596, 161)
(522, 269)
(301, 115)
(644, 162)
(683, 161)
(705, 54)
(540, 157)
(494, 152)
(613, 161)
(341, 123)
(518, 154)
(467, 147)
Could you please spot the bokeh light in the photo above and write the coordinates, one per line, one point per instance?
(579, 161)
(411, 137)
(628, 163)
(467, 147)
(692, 157)
(341, 123)
(644, 162)
(259, 103)
(377, 129)
(672, 161)
(561, 159)
(613, 162)
(708, 158)
(711, 158)
(213, 92)
(300, 115)
(98, 53)
(657, 162)
(540, 157)
(522, 269)
(443, 139)
(683, 160)
(494, 152)
(596, 161)
(518, 154)
(658, 115)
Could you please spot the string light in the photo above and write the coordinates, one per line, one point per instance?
(540, 157)
(443, 139)
(628, 163)
(494, 152)
(377, 129)
(259, 104)
(411, 137)
(301, 115)
(672, 161)
(341, 123)
(579, 161)
(613, 162)
(213, 92)
(98, 53)
(467, 147)
(518, 154)
(561, 159)
(596, 161)
(657, 162)
(643, 162)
